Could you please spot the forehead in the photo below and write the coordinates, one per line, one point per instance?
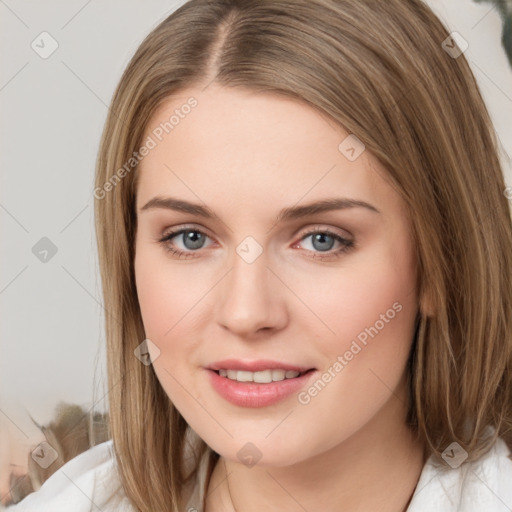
(236, 143)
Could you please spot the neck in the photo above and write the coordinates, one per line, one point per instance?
(377, 468)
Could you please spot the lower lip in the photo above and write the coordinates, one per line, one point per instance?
(252, 394)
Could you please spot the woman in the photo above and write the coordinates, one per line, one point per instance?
(306, 256)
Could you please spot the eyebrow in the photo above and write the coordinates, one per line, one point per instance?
(292, 212)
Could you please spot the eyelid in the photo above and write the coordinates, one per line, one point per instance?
(348, 244)
(299, 233)
(324, 227)
(175, 230)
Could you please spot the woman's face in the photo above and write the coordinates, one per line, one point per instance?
(269, 284)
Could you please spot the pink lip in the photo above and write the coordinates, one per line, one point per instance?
(254, 394)
(255, 366)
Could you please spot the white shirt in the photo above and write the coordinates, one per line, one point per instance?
(85, 484)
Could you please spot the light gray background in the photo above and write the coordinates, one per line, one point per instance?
(52, 113)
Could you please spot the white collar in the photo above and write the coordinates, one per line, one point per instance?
(484, 485)
(481, 486)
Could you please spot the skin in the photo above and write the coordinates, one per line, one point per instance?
(247, 155)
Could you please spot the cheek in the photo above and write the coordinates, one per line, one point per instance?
(165, 293)
(367, 309)
(153, 301)
(163, 299)
(370, 312)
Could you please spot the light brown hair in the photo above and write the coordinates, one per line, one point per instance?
(379, 70)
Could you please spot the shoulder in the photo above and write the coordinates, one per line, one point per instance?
(87, 482)
(485, 484)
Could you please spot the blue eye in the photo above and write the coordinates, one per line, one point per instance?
(322, 240)
(193, 237)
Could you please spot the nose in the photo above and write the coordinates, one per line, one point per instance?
(251, 298)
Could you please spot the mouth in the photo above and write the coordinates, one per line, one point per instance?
(260, 388)
(262, 376)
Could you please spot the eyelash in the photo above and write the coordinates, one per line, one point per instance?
(347, 245)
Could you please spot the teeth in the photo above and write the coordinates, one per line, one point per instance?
(264, 377)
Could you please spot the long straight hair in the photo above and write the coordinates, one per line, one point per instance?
(382, 71)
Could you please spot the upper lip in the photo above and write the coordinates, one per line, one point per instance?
(256, 366)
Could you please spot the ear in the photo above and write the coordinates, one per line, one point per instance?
(427, 304)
